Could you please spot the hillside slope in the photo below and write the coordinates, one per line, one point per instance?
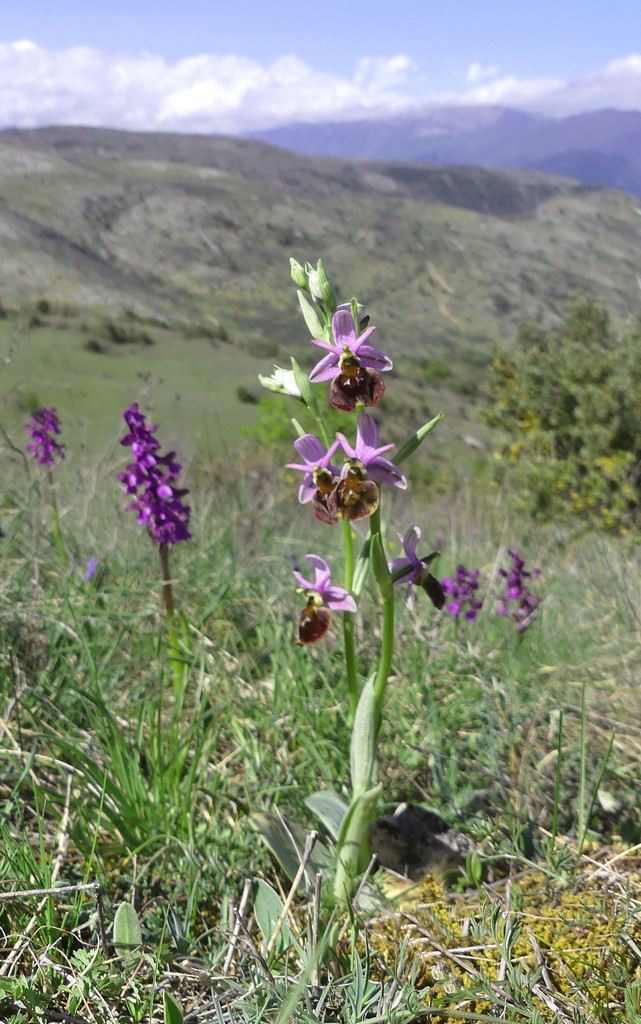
(193, 235)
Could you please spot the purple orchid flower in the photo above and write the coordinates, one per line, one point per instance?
(414, 571)
(336, 598)
(316, 457)
(43, 446)
(322, 596)
(367, 452)
(346, 343)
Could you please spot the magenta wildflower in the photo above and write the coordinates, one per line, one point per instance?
(322, 597)
(462, 590)
(95, 572)
(91, 569)
(518, 601)
(415, 571)
(353, 366)
(151, 478)
(43, 446)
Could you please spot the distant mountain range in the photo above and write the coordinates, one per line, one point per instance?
(599, 148)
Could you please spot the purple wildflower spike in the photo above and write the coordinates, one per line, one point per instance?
(151, 478)
(91, 569)
(462, 590)
(518, 593)
(43, 446)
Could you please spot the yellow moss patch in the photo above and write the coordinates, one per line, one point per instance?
(532, 943)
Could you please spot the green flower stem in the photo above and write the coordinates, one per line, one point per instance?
(174, 624)
(387, 644)
(322, 428)
(385, 661)
(167, 592)
(352, 852)
(57, 532)
(351, 663)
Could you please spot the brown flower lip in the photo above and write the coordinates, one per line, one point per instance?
(313, 623)
(364, 387)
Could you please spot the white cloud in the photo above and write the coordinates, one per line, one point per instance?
(512, 91)
(231, 93)
(616, 85)
(204, 93)
(477, 73)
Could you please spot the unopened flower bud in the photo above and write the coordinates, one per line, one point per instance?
(325, 288)
(313, 285)
(282, 382)
(299, 277)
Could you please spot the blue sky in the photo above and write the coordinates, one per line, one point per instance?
(233, 66)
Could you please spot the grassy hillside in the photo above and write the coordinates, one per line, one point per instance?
(132, 259)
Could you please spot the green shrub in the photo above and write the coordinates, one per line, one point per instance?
(243, 394)
(568, 403)
(435, 370)
(124, 334)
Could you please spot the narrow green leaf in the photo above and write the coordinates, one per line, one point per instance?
(172, 1011)
(379, 565)
(363, 745)
(314, 326)
(362, 569)
(329, 808)
(303, 385)
(415, 440)
(353, 844)
(127, 930)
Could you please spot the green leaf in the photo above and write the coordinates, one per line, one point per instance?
(362, 569)
(172, 1011)
(286, 840)
(329, 808)
(268, 908)
(415, 440)
(379, 565)
(216, 598)
(314, 326)
(363, 746)
(303, 385)
(353, 844)
(127, 930)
